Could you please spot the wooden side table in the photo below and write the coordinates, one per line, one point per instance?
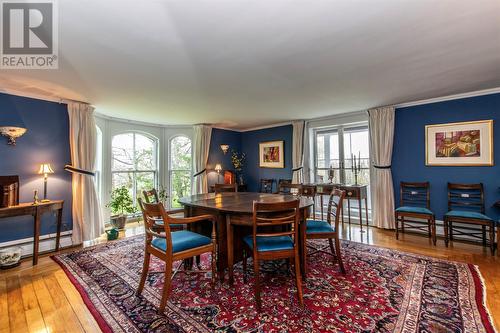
(37, 211)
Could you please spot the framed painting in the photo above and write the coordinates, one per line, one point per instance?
(271, 154)
(459, 144)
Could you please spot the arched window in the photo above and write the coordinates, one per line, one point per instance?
(180, 169)
(134, 163)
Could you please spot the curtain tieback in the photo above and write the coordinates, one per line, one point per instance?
(382, 166)
(199, 173)
(72, 169)
(297, 169)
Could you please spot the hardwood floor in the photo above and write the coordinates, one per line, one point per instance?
(42, 299)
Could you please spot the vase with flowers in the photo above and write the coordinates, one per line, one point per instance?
(238, 161)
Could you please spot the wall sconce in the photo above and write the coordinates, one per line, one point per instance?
(218, 168)
(45, 170)
(224, 147)
(11, 126)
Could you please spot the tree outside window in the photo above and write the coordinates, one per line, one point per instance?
(134, 163)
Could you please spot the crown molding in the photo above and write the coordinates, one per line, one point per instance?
(449, 97)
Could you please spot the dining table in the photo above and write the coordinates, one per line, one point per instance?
(234, 215)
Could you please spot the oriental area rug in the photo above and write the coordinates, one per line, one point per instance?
(383, 291)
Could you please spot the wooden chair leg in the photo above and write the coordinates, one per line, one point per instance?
(256, 274)
(492, 238)
(403, 224)
(332, 249)
(244, 265)
(483, 227)
(429, 232)
(450, 232)
(166, 287)
(144, 275)
(434, 236)
(446, 237)
(298, 277)
(214, 265)
(397, 225)
(339, 254)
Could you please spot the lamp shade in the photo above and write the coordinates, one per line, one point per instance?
(45, 168)
(218, 167)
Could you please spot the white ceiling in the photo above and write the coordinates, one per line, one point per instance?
(242, 64)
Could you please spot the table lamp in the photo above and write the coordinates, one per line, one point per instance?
(45, 169)
(218, 168)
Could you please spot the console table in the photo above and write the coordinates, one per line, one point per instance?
(353, 192)
(36, 211)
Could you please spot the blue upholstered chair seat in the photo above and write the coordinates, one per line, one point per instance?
(274, 243)
(415, 210)
(467, 214)
(315, 226)
(182, 241)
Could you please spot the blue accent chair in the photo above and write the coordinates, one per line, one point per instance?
(414, 203)
(329, 229)
(466, 206)
(275, 235)
(173, 246)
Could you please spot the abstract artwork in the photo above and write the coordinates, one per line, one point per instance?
(271, 154)
(460, 144)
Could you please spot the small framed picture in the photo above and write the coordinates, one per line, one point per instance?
(271, 154)
(459, 144)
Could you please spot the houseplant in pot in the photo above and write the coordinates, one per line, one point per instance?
(121, 204)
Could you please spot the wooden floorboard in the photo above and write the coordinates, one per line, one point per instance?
(42, 299)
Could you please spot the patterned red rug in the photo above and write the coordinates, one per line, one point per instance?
(384, 291)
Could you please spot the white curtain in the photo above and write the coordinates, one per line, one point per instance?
(381, 140)
(202, 136)
(298, 151)
(87, 217)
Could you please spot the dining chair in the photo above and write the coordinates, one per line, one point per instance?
(266, 243)
(172, 246)
(266, 185)
(466, 206)
(329, 229)
(151, 196)
(289, 188)
(309, 191)
(221, 188)
(282, 181)
(415, 202)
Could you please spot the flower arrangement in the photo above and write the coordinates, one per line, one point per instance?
(238, 160)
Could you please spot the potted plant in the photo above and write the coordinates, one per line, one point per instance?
(238, 162)
(121, 204)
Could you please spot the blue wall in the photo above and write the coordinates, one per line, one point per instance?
(408, 162)
(250, 145)
(46, 141)
(220, 136)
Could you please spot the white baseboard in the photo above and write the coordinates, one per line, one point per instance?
(47, 243)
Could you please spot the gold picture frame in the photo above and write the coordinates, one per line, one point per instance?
(467, 143)
(272, 154)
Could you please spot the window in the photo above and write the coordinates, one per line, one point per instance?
(98, 163)
(336, 148)
(180, 169)
(134, 163)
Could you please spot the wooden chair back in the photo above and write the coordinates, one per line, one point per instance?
(221, 188)
(150, 213)
(468, 197)
(151, 196)
(272, 214)
(415, 194)
(309, 191)
(284, 181)
(289, 188)
(335, 204)
(266, 185)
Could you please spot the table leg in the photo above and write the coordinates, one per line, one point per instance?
(366, 211)
(303, 248)
(36, 236)
(360, 214)
(230, 250)
(349, 211)
(59, 225)
(321, 203)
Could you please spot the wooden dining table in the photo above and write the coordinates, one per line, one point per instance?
(233, 212)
